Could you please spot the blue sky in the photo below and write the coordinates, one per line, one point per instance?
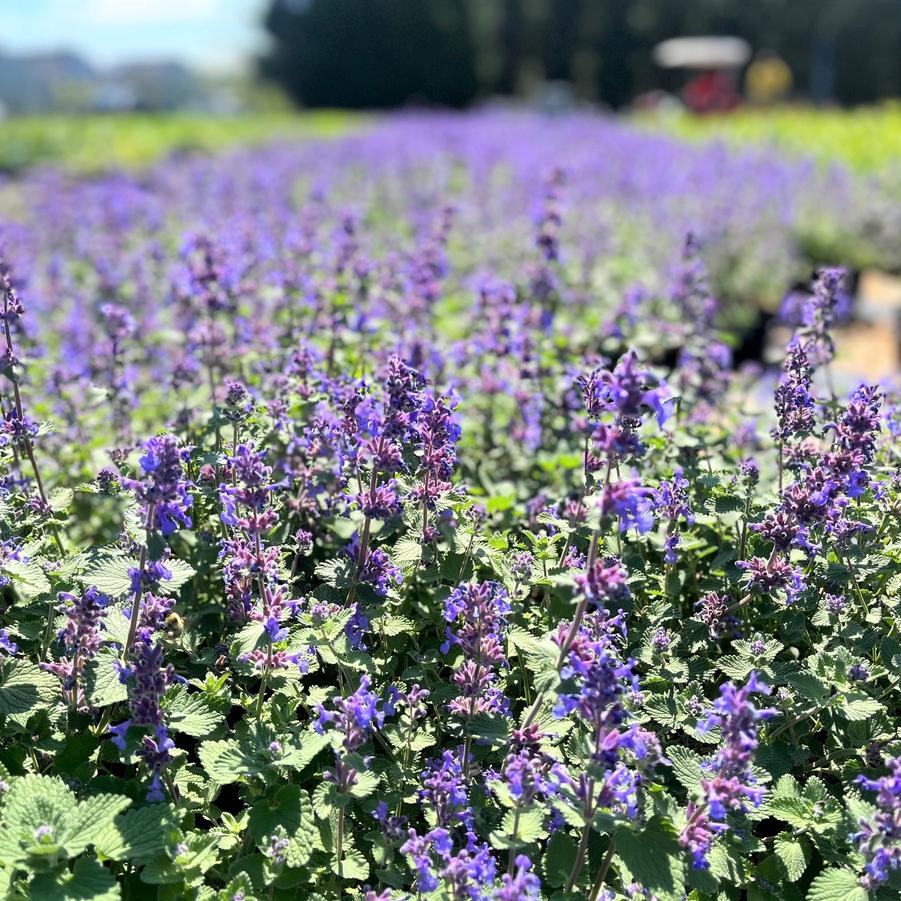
(215, 35)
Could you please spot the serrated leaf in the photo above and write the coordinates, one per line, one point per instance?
(291, 809)
(490, 730)
(353, 866)
(542, 664)
(248, 639)
(393, 625)
(191, 714)
(45, 802)
(240, 887)
(808, 685)
(27, 578)
(559, 858)
(857, 706)
(138, 835)
(794, 811)
(109, 574)
(88, 881)
(226, 762)
(30, 803)
(654, 859)
(182, 573)
(60, 499)
(90, 820)
(366, 783)
(299, 754)
(25, 687)
(793, 854)
(686, 767)
(519, 828)
(837, 885)
(407, 553)
(198, 852)
(102, 683)
(662, 709)
(524, 641)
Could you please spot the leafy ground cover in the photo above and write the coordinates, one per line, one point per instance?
(392, 519)
(868, 138)
(99, 143)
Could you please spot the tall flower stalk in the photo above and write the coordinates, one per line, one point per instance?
(163, 490)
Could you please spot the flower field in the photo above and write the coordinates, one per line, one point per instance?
(413, 515)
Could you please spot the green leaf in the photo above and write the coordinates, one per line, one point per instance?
(25, 687)
(109, 574)
(794, 811)
(808, 685)
(91, 819)
(517, 831)
(247, 639)
(240, 886)
(298, 754)
(28, 578)
(856, 706)
(524, 641)
(88, 881)
(366, 783)
(393, 625)
(837, 885)
(199, 852)
(491, 730)
(60, 499)
(559, 858)
(653, 858)
(102, 683)
(353, 866)
(542, 664)
(226, 762)
(291, 809)
(33, 802)
(686, 767)
(45, 803)
(192, 714)
(138, 835)
(182, 573)
(407, 553)
(793, 854)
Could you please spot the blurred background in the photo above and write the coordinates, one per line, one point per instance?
(136, 78)
(219, 55)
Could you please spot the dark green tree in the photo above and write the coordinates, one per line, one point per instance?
(371, 53)
(382, 53)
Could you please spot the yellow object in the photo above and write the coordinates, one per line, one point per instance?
(768, 79)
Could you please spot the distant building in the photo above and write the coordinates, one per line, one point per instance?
(45, 82)
(64, 82)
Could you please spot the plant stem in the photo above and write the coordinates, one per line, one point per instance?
(136, 603)
(602, 872)
(511, 857)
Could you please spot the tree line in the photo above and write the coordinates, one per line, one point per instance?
(385, 53)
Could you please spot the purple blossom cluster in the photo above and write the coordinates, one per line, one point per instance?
(879, 838)
(148, 677)
(477, 618)
(80, 637)
(163, 488)
(671, 500)
(728, 784)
